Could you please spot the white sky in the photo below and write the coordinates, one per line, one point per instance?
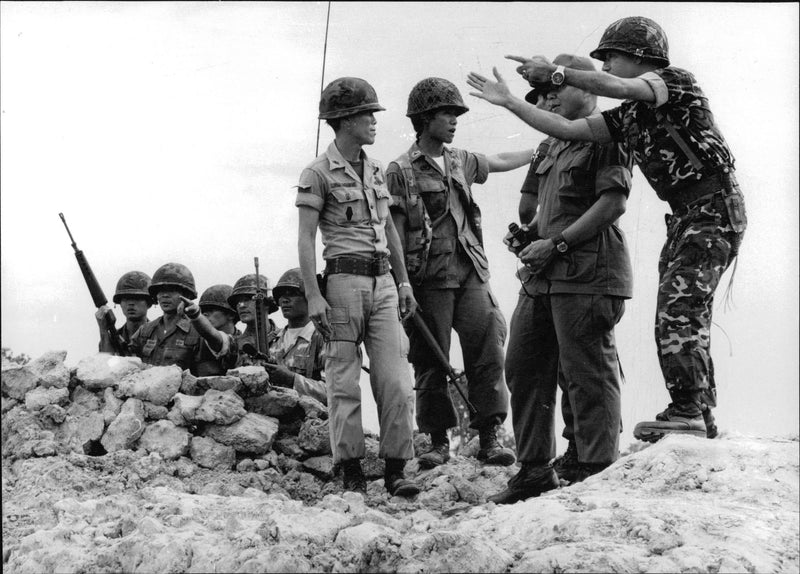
(176, 132)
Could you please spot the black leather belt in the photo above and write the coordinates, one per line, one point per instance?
(357, 266)
(705, 188)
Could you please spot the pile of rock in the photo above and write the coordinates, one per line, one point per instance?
(109, 403)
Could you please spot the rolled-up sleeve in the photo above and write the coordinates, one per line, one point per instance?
(310, 190)
(613, 169)
(397, 188)
(659, 87)
(601, 128)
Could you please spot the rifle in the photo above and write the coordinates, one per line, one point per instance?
(261, 336)
(98, 296)
(453, 376)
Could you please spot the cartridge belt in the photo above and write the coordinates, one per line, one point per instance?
(357, 266)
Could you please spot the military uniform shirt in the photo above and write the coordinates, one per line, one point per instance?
(572, 177)
(180, 345)
(352, 218)
(455, 247)
(640, 125)
(304, 356)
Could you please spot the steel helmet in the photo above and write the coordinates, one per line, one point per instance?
(173, 275)
(433, 93)
(292, 279)
(216, 296)
(246, 287)
(346, 97)
(133, 284)
(637, 36)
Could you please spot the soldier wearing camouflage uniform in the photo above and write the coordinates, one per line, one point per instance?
(668, 126)
(215, 320)
(171, 339)
(298, 349)
(343, 194)
(439, 224)
(133, 296)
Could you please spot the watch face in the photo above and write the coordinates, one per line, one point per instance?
(562, 247)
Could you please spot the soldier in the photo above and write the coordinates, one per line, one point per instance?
(439, 224)
(343, 192)
(577, 276)
(242, 299)
(215, 320)
(171, 339)
(298, 349)
(132, 295)
(669, 129)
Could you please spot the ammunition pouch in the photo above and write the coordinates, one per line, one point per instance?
(419, 229)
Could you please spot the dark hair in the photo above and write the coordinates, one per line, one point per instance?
(419, 121)
(335, 123)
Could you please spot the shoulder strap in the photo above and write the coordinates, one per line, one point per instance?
(414, 215)
(662, 117)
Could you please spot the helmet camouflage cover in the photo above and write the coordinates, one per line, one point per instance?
(245, 287)
(216, 296)
(173, 275)
(637, 36)
(346, 97)
(434, 93)
(133, 284)
(292, 279)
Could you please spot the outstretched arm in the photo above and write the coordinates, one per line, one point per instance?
(497, 92)
(539, 69)
(507, 161)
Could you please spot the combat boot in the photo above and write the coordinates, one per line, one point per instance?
(490, 450)
(566, 465)
(683, 417)
(711, 424)
(439, 452)
(531, 480)
(586, 469)
(353, 476)
(395, 481)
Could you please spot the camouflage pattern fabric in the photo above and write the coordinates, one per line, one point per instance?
(347, 96)
(702, 241)
(635, 35)
(433, 93)
(660, 158)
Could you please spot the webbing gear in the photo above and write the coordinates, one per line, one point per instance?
(419, 229)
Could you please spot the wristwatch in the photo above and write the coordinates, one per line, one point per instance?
(557, 77)
(561, 245)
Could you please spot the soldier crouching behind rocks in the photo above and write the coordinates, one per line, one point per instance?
(298, 349)
(243, 300)
(171, 339)
(133, 297)
(215, 320)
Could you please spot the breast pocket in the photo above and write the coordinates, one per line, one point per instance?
(576, 183)
(348, 207)
(434, 195)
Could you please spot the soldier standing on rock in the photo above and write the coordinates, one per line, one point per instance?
(171, 339)
(133, 297)
(669, 129)
(343, 193)
(298, 349)
(430, 186)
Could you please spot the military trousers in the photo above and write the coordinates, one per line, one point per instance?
(702, 241)
(567, 341)
(473, 312)
(365, 310)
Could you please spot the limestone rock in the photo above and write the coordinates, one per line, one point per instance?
(255, 380)
(320, 466)
(156, 384)
(253, 433)
(84, 399)
(154, 412)
(125, 430)
(189, 384)
(314, 437)
(104, 370)
(79, 433)
(208, 453)
(219, 383)
(17, 380)
(221, 407)
(184, 408)
(278, 402)
(168, 440)
(111, 405)
(40, 397)
(51, 369)
(312, 408)
(356, 538)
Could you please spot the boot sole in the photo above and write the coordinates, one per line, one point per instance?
(652, 434)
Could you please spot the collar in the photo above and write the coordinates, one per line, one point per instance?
(336, 159)
(306, 331)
